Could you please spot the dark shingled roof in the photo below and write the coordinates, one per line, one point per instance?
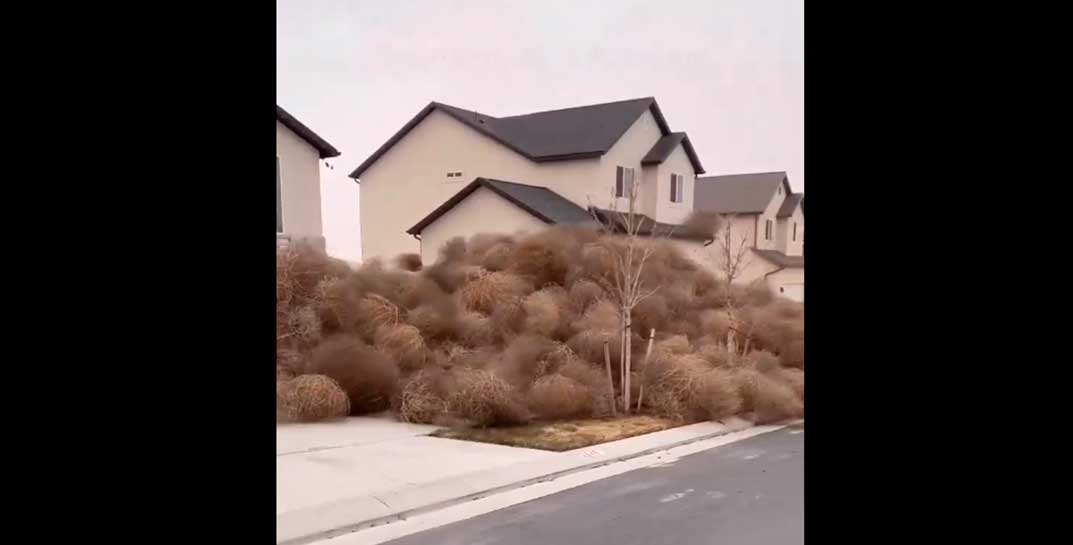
(789, 203)
(543, 203)
(781, 259)
(556, 135)
(322, 146)
(647, 225)
(664, 146)
(737, 193)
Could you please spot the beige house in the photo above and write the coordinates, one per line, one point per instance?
(298, 154)
(421, 187)
(451, 172)
(763, 212)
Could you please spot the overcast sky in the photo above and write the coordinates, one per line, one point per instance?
(728, 72)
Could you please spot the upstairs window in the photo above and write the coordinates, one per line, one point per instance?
(767, 229)
(795, 231)
(454, 176)
(678, 185)
(623, 181)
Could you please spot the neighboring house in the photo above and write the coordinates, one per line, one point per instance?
(298, 154)
(762, 210)
(452, 172)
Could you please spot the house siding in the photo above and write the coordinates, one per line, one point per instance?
(497, 215)
(299, 165)
(676, 163)
(409, 181)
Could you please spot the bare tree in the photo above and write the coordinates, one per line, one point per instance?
(732, 257)
(630, 257)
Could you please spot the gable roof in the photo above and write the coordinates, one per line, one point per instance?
(781, 259)
(738, 193)
(789, 203)
(555, 135)
(305, 133)
(541, 202)
(664, 146)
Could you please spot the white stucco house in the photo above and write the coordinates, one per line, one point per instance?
(299, 152)
(453, 172)
(761, 209)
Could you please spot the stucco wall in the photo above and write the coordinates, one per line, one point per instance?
(786, 277)
(628, 152)
(769, 213)
(795, 247)
(496, 214)
(677, 163)
(753, 266)
(299, 170)
(410, 179)
(786, 242)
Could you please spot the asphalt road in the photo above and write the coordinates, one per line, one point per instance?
(746, 493)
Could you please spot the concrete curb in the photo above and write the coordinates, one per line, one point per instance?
(326, 521)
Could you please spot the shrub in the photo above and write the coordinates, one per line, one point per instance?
(289, 363)
(484, 399)
(367, 376)
(556, 396)
(584, 293)
(542, 314)
(794, 378)
(403, 344)
(419, 400)
(768, 399)
(484, 293)
(542, 258)
(309, 398)
(524, 321)
(408, 262)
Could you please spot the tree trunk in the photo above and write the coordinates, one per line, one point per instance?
(622, 356)
(610, 383)
(629, 361)
(644, 370)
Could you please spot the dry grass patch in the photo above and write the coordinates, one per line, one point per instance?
(563, 435)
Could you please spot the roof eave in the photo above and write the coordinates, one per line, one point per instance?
(464, 193)
(393, 140)
(324, 149)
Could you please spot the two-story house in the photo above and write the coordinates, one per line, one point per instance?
(299, 151)
(453, 172)
(769, 218)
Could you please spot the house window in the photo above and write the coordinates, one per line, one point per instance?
(451, 176)
(795, 231)
(623, 181)
(767, 229)
(279, 201)
(677, 188)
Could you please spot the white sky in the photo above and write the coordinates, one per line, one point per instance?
(728, 72)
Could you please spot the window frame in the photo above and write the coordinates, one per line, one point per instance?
(623, 183)
(678, 183)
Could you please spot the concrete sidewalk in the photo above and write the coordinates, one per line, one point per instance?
(366, 457)
(363, 472)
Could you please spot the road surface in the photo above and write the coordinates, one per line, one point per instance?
(746, 493)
